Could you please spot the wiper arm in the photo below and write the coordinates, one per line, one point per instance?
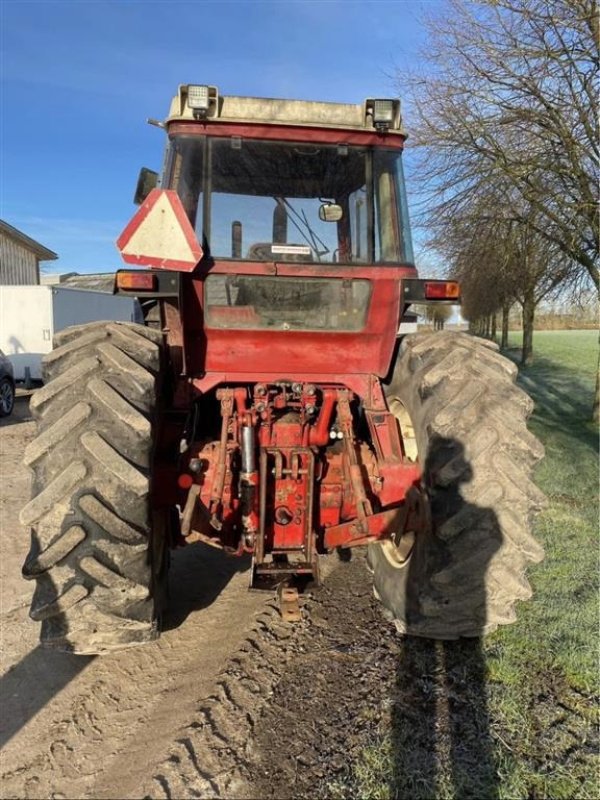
(312, 238)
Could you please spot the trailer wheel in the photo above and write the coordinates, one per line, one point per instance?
(458, 568)
(94, 540)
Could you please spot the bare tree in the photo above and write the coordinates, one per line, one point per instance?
(475, 248)
(509, 102)
(498, 262)
(512, 98)
(439, 315)
(435, 313)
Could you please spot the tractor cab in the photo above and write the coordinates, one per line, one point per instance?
(300, 212)
(305, 201)
(290, 181)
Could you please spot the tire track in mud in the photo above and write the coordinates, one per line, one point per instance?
(117, 714)
(72, 724)
(240, 741)
(131, 724)
(213, 754)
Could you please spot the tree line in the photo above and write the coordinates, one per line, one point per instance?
(503, 117)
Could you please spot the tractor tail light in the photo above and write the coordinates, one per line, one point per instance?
(185, 480)
(442, 290)
(145, 281)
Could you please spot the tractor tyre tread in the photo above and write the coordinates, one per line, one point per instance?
(465, 577)
(90, 517)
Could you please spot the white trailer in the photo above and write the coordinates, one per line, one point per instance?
(31, 315)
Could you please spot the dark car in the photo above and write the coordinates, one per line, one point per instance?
(7, 386)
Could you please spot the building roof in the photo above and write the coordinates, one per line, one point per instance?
(41, 252)
(98, 282)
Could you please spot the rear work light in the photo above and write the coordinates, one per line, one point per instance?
(144, 281)
(202, 100)
(442, 290)
(197, 98)
(384, 113)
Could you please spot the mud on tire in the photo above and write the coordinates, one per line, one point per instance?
(464, 576)
(90, 518)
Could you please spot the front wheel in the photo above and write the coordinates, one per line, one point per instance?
(463, 570)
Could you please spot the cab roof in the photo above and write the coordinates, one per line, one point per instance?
(267, 110)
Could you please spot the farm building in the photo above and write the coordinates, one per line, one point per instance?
(20, 257)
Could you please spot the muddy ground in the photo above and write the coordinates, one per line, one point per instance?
(230, 700)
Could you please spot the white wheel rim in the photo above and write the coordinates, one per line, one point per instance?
(397, 552)
(409, 439)
(398, 555)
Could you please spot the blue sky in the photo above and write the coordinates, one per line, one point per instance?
(80, 78)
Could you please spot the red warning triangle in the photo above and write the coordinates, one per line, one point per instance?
(160, 234)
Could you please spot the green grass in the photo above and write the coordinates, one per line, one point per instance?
(515, 717)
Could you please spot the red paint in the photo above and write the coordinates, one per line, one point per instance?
(319, 434)
(294, 354)
(287, 133)
(301, 484)
(350, 534)
(373, 272)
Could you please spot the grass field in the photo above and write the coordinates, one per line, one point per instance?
(515, 716)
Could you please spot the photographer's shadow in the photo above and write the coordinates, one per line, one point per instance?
(440, 723)
(441, 739)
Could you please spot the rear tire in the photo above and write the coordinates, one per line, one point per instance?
(92, 548)
(466, 571)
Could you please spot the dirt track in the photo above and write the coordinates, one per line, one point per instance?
(187, 716)
(85, 727)
(232, 702)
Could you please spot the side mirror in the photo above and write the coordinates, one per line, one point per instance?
(330, 212)
(146, 182)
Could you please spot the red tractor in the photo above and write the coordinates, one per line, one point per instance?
(270, 404)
